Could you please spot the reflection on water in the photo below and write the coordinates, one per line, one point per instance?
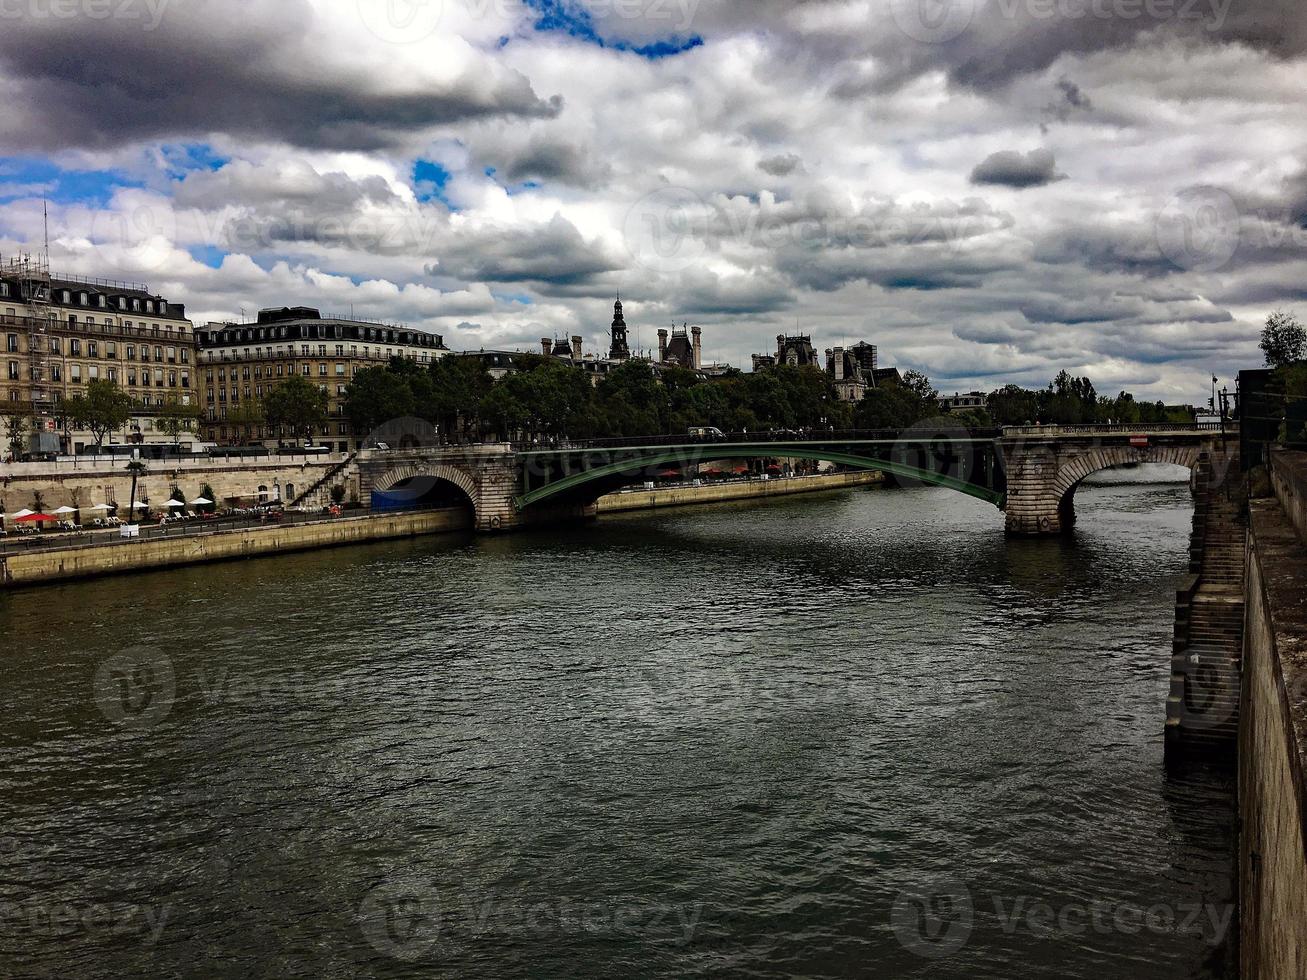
(860, 734)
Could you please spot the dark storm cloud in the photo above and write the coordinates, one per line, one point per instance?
(552, 160)
(1011, 168)
(553, 253)
(781, 165)
(243, 68)
(994, 42)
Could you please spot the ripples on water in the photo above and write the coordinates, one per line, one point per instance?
(737, 740)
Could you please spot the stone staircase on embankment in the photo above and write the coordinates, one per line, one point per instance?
(1202, 709)
(319, 494)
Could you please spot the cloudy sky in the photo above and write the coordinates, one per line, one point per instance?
(991, 190)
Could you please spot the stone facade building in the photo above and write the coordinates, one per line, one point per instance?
(684, 347)
(795, 351)
(240, 363)
(61, 332)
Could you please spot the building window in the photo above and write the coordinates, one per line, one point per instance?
(13, 371)
(75, 372)
(75, 347)
(92, 349)
(11, 343)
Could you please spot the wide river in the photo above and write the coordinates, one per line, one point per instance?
(849, 735)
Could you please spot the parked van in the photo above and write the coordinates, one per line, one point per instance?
(707, 433)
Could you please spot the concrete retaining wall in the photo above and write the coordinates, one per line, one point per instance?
(155, 553)
(689, 496)
(84, 485)
(1273, 740)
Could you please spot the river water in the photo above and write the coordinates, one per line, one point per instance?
(850, 735)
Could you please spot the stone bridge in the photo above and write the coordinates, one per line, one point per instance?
(1030, 473)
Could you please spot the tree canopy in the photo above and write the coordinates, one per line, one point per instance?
(1284, 341)
(296, 404)
(104, 408)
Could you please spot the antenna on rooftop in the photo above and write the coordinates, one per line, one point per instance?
(45, 217)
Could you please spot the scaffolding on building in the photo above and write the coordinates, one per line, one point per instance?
(31, 273)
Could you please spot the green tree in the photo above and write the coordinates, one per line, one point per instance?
(1284, 341)
(1013, 405)
(17, 426)
(459, 385)
(376, 396)
(890, 406)
(298, 405)
(206, 492)
(544, 396)
(175, 417)
(104, 408)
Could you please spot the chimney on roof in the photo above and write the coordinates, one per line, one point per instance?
(697, 334)
(662, 345)
(546, 346)
(576, 348)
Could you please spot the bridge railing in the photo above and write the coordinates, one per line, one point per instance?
(764, 436)
(1123, 429)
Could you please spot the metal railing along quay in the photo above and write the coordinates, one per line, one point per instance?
(43, 541)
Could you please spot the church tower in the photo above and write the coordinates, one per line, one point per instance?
(621, 350)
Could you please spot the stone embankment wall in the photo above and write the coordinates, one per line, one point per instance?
(715, 493)
(84, 484)
(192, 549)
(1273, 732)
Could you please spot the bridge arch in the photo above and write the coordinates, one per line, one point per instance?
(423, 479)
(1072, 473)
(594, 482)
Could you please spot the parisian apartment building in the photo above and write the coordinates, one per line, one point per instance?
(61, 332)
(240, 363)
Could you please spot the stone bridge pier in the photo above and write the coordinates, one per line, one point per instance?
(1045, 469)
(488, 476)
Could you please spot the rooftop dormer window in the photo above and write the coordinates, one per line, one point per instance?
(82, 299)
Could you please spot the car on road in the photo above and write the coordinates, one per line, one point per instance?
(707, 433)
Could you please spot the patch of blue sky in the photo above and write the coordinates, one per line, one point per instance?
(575, 20)
(92, 188)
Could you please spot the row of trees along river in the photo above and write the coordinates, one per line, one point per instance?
(553, 397)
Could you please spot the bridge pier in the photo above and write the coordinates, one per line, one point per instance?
(1044, 472)
(1033, 506)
